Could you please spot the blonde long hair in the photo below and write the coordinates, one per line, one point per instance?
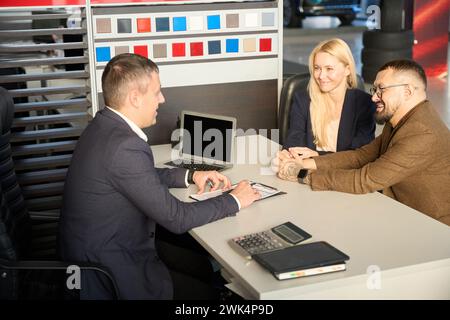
(320, 101)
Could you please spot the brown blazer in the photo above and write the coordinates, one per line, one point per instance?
(409, 163)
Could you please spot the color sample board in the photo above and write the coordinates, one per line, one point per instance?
(221, 58)
(216, 56)
(244, 35)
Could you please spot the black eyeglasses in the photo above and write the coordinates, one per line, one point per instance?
(379, 90)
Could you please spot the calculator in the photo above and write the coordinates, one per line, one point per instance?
(279, 237)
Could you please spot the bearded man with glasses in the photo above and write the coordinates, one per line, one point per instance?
(409, 161)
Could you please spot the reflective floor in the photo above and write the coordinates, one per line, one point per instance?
(298, 43)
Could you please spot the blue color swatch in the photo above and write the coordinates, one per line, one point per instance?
(162, 24)
(214, 47)
(214, 22)
(179, 24)
(232, 45)
(103, 54)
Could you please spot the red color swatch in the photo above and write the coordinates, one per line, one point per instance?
(178, 49)
(141, 50)
(143, 25)
(196, 49)
(265, 44)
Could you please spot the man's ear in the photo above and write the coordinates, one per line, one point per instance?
(134, 97)
(408, 91)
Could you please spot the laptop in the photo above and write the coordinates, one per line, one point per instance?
(206, 142)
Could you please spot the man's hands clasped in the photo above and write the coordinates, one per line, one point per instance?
(288, 163)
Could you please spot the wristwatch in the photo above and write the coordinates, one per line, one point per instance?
(302, 175)
(190, 177)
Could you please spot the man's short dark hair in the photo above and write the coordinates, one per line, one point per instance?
(123, 70)
(407, 65)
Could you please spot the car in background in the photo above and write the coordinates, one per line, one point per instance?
(296, 10)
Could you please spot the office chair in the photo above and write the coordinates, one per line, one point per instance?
(28, 243)
(25, 279)
(45, 230)
(291, 85)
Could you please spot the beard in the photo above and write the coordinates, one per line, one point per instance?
(382, 117)
(386, 114)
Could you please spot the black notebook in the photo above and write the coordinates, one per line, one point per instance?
(293, 261)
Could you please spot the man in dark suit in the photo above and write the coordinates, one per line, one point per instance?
(114, 195)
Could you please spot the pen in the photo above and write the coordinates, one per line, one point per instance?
(227, 191)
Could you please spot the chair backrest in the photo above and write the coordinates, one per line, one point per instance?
(8, 285)
(39, 280)
(7, 249)
(16, 219)
(291, 85)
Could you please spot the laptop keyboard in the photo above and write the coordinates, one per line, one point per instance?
(196, 166)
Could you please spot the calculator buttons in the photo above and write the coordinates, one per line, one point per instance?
(258, 242)
(279, 237)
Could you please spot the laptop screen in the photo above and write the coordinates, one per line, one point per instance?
(208, 137)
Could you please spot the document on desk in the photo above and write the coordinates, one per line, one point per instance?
(265, 191)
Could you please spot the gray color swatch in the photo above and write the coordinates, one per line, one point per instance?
(121, 49)
(160, 50)
(103, 25)
(233, 20)
(268, 19)
(124, 25)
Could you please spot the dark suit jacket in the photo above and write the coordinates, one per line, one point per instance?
(356, 127)
(113, 196)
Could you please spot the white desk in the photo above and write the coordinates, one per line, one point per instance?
(411, 250)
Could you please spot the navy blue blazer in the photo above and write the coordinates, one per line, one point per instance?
(356, 126)
(113, 196)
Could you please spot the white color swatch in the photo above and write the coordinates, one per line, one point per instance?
(196, 23)
(251, 20)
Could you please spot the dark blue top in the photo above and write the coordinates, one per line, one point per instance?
(356, 127)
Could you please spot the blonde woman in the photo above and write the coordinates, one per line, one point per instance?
(332, 115)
